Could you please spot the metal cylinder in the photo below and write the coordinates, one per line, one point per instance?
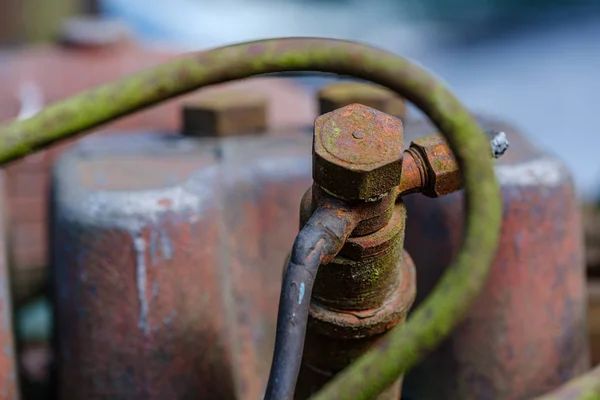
(360, 295)
(162, 245)
(526, 333)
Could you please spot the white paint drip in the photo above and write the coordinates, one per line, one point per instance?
(166, 245)
(115, 209)
(139, 245)
(31, 98)
(543, 171)
(301, 293)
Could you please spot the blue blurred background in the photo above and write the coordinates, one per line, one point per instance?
(534, 62)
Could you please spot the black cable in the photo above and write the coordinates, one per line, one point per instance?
(317, 243)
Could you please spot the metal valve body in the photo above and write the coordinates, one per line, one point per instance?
(177, 294)
(369, 287)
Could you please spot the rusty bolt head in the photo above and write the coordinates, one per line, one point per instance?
(341, 94)
(94, 32)
(443, 175)
(227, 113)
(357, 152)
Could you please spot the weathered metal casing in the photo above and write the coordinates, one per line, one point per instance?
(167, 253)
(526, 333)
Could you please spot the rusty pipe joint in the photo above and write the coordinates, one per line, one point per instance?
(369, 286)
(429, 166)
(359, 161)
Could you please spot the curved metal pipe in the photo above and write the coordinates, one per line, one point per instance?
(463, 280)
(317, 243)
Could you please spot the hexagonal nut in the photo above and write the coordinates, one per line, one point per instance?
(380, 242)
(357, 152)
(228, 113)
(341, 94)
(443, 174)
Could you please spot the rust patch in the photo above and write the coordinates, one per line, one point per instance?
(337, 338)
(357, 153)
(165, 202)
(358, 323)
(442, 174)
(371, 216)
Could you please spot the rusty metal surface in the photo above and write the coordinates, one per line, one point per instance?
(442, 175)
(362, 276)
(430, 168)
(332, 343)
(357, 152)
(368, 288)
(372, 216)
(8, 368)
(526, 334)
(355, 323)
(414, 175)
(170, 290)
(354, 301)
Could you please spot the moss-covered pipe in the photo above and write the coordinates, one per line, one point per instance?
(459, 286)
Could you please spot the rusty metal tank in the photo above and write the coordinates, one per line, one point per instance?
(526, 334)
(167, 253)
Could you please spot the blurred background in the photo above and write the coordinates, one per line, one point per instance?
(532, 62)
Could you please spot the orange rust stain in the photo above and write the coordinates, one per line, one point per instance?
(165, 202)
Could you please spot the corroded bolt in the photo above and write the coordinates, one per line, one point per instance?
(225, 114)
(429, 166)
(94, 32)
(340, 94)
(357, 152)
(442, 175)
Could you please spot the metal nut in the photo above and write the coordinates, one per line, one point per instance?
(379, 242)
(340, 94)
(229, 113)
(357, 152)
(442, 172)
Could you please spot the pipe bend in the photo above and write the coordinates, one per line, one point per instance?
(318, 242)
